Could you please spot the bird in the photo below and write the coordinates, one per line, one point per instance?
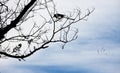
(59, 16)
(17, 48)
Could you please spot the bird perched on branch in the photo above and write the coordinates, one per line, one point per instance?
(17, 48)
(61, 16)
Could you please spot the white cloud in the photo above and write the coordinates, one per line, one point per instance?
(11, 69)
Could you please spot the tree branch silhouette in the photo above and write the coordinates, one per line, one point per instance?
(19, 41)
(13, 23)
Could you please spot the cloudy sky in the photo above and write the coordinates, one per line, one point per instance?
(97, 49)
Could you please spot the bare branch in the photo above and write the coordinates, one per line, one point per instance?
(33, 25)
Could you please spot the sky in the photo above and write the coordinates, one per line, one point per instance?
(96, 50)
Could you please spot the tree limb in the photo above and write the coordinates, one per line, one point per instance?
(13, 23)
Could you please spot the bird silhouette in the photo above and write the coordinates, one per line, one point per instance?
(61, 16)
(17, 48)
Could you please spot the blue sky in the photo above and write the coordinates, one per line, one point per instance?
(97, 49)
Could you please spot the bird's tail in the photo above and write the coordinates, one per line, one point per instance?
(69, 18)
